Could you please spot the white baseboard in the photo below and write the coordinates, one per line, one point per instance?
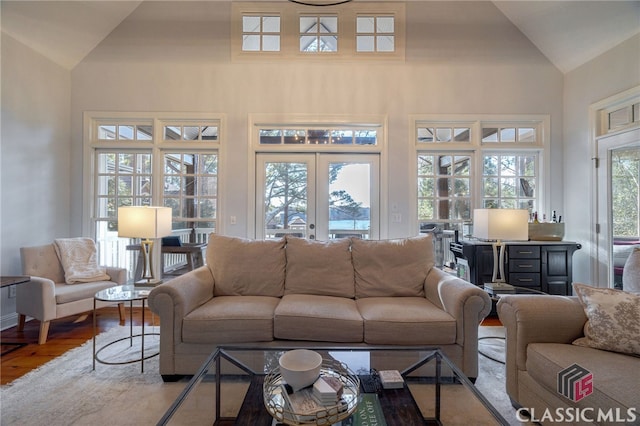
(8, 321)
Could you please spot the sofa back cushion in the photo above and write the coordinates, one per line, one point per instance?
(42, 261)
(320, 268)
(392, 267)
(243, 267)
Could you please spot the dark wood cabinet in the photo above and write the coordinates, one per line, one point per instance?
(540, 265)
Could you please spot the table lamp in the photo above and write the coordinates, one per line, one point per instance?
(499, 225)
(147, 223)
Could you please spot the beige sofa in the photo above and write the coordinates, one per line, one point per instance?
(305, 293)
(540, 330)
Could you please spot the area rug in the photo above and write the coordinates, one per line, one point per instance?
(67, 391)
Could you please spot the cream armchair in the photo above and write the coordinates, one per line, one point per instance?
(46, 297)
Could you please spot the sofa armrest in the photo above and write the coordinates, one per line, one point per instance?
(117, 275)
(465, 302)
(37, 299)
(536, 319)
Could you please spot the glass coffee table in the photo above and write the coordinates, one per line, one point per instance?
(434, 391)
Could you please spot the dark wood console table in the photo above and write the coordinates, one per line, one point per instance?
(545, 266)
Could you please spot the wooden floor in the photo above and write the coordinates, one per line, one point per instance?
(64, 334)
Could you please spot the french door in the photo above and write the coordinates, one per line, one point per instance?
(317, 196)
(618, 201)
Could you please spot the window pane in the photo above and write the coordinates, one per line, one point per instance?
(251, 24)
(425, 187)
(191, 133)
(490, 135)
(294, 136)
(251, 43)
(507, 165)
(385, 24)
(425, 135)
(619, 118)
(462, 165)
(271, 24)
(318, 136)
(329, 24)
(144, 133)
(508, 135)
(271, 43)
(527, 165)
(125, 132)
(210, 133)
(526, 134)
(329, 43)
(527, 188)
(365, 43)
(107, 132)
(344, 137)
(308, 44)
(270, 137)
(172, 133)
(425, 165)
(366, 137)
(490, 187)
(443, 135)
(490, 166)
(462, 134)
(308, 24)
(636, 112)
(461, 187)
(507, 187)
(426, 209)
(386, 43)
(364, 24)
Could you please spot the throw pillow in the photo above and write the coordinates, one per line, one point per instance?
(243, 267)
(322, 268)
(79, 260)
(388, 268)
(613, 319)
(631, 272)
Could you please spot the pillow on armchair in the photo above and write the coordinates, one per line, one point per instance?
(79, 260)
(613, 319)
(631, 272)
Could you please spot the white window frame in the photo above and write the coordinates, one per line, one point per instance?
(262, 121)
(290, 14)
(479, 149)
(156, 146)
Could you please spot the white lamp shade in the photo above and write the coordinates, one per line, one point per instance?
(501, 224)
(144, 222)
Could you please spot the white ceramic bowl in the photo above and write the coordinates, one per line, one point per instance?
(300, 367)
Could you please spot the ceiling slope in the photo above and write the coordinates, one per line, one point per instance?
(568, 33)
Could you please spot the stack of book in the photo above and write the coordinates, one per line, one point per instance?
(327, 390)
(391, 379)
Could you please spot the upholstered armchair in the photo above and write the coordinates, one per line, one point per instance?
(48, 297)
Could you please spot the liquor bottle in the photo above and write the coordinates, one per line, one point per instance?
(554, 218)
(535, 217)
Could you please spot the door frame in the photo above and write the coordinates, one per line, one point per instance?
(258, 120)
(601, 235)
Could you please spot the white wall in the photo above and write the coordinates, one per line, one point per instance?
(35, 152)
(611, 73)
(460, 58)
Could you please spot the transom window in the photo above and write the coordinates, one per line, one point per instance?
(322, 136)
(286, 30)
(509, 134)
(190, 132)
(375, 34)
(444, 133)
(112, 131)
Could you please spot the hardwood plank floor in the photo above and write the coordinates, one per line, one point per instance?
(64, 334)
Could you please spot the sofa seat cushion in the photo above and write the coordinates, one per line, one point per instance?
(243, 267)
(614, 382)
(385, 268)
(319, 267)
(231, 319)
(405, 321)
(318, 318)
(71, 293)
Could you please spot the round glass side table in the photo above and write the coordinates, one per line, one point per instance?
(120, 294)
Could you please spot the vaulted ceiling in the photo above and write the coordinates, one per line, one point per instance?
(568, 33)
